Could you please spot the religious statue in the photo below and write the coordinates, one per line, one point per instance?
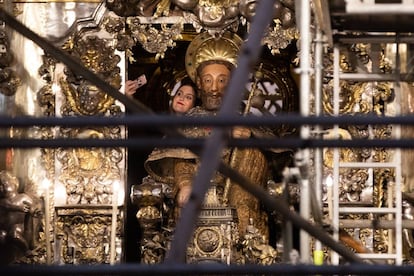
(18, 212)
(228, 211)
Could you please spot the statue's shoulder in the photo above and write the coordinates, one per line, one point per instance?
(160, 163)
(198, 111)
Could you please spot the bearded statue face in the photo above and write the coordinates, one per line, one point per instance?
(212, 81)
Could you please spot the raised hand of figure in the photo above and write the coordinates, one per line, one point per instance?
(131, 86)
(183, 195)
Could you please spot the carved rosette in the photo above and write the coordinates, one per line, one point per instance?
(216, 237)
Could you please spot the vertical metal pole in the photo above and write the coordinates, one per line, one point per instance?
(115, 187)
(318, 151)
(287, 228)
(304, 109)
(398, 173)
(335, 184)
(46, 185)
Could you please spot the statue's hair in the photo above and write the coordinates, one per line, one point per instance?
(7, 177)
(202, 65)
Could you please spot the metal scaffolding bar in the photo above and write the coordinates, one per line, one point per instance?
(196, 143)
(160, 121)
(208, 269)
(318, 154)
(305, 72)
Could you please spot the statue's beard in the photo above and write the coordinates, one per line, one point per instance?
(212, 102)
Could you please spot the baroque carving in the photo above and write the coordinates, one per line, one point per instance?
(84, 235)
(88, 174)
(155, 203)
(155, 40)
(278, 38)
(9, 81)
(210, 13)
(81, 97)
(215, 17)
(86, 181)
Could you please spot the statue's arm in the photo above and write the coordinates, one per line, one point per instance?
(184, 171)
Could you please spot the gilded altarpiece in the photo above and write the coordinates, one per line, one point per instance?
(84, 195)
(86, 213)
(84, 192)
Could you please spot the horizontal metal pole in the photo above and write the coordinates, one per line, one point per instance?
(358, 7)
(155, 120)
(377, 224)
(361, 165)
(370, 77)
(191, 143)
(366, 210)
(195, 143)
(208, 269)
(374, 38)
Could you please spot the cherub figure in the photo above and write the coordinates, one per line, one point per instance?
(256, 248)
(14, 209)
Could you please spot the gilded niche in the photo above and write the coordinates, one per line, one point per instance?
(88, 174)
(81, 96)
(88, 181)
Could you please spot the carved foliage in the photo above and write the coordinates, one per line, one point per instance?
(9, 81)
(83, 98)
(84, 235)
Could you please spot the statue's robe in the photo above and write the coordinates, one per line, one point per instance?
(252, 163)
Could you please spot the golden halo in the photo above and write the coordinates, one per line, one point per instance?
(206, 47)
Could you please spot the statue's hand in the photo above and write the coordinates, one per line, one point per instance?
(241, 132)
(26, 206)
(37, 213)
(183, 195)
